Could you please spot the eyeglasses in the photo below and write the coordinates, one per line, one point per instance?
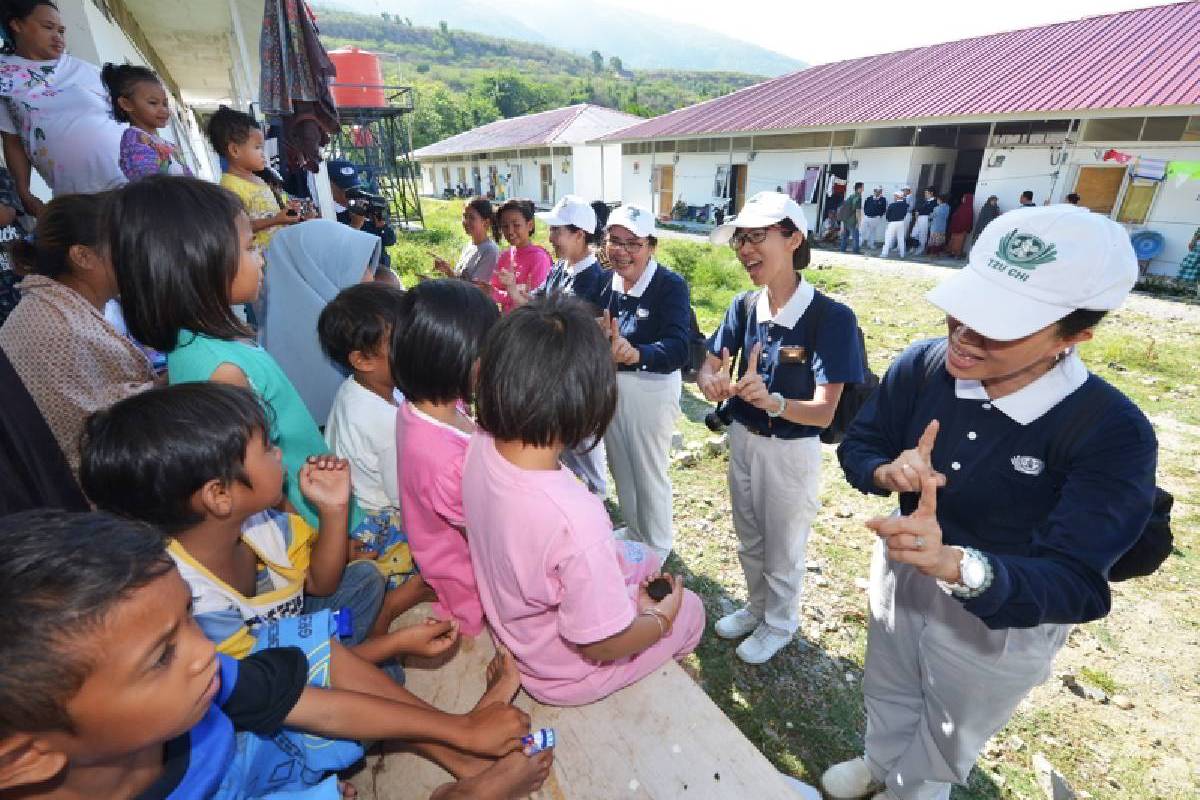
(628, 245)
(752, 236)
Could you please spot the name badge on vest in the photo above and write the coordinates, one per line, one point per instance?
(792, 355)
(642, 313)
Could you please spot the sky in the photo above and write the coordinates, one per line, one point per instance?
(820, 31)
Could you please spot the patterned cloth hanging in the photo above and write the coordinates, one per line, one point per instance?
(296, 72)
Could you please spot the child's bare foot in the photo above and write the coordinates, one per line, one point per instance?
(347, 789)
(514, 776)
(503, 679)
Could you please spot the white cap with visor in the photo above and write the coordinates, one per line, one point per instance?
(762, 210)
(635, 219)
(1033, 266)
(571, 209)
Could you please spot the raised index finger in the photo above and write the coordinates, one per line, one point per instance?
(927, 505)
(925, 443)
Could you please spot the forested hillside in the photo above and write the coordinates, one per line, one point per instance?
(463, 79)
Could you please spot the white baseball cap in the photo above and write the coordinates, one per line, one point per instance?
(898, 193)
(636, 219)
(760, 211)
(570, 210)
(1033, 266)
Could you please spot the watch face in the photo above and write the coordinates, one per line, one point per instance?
(973, 573)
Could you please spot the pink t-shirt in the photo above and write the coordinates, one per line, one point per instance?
(533, 264)
(549, 573)
(429, 458)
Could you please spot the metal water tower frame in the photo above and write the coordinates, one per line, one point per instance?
(380, 139)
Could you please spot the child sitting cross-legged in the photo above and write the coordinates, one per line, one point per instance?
(567, 599)
(355, 330)
(195, 460)
(111, 690)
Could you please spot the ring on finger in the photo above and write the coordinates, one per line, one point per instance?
(920, 542)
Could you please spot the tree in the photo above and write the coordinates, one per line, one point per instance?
(614, 64)
(597, 62)
(444, 28)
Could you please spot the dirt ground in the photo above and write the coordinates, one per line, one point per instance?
(1132, 734)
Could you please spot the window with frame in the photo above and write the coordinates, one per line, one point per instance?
(1137, 200)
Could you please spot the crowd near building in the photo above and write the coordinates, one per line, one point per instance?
(1107, 108)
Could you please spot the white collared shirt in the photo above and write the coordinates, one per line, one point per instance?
(581, 265)
(792, 310)
(1030, 402)
(618, 283)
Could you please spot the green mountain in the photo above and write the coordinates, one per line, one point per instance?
(463, 80)
(638, 36)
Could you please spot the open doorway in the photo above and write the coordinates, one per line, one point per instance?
(833, 190)
(737, 188)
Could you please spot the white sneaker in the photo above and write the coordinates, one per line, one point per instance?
(849, 779)
(736, 625)
(763, 644)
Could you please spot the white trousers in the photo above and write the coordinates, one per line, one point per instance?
(894, 233)
(871, 231)
(775, 490)
(938, 683)
(588, 466)
(920, 232)
(639, 451)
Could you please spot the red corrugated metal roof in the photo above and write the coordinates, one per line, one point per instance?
(1135, 59)
(534, 130)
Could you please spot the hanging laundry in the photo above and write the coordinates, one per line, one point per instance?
(1154, 169)
(1117, 156)
(812, 178)
(795, 190)
(1183, 171)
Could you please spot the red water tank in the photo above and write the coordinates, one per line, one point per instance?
(359, 81)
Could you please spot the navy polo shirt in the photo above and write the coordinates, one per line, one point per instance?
(812, 340)
(926, 207)
(874, 206)
(1051, 530)
(655, 316)
(581, 279)
(897, 211)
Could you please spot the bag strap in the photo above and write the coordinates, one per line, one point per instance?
(749, 299)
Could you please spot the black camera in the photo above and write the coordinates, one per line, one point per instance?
(720, 417)
(365, 204)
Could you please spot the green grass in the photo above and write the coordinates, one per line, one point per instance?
(800, 709)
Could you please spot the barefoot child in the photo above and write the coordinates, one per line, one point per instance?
(110, 689)
(185, 255)
(434, 349)
(194, 459)
(355, 330)
(138, 97)
(560, 592)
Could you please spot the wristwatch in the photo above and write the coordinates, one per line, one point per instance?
(779, 409)
(975, 575)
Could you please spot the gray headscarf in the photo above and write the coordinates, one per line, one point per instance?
(306, 266)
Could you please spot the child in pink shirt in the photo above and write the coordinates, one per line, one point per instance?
(434, 348)
(524, 263)
(566, 598)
